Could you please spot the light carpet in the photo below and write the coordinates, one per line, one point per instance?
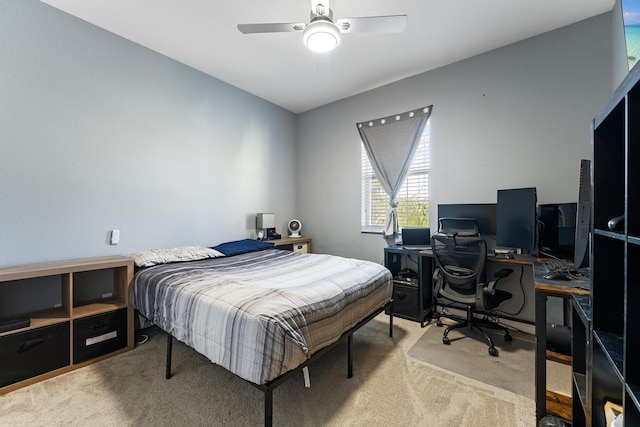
(388, 388)
(468, 355)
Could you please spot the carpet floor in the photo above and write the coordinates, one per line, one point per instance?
(388, 388)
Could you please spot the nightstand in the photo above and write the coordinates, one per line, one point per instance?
(296, 244)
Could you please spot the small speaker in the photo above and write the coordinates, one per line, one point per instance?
(559, 338)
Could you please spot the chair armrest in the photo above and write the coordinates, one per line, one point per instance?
(497, 276)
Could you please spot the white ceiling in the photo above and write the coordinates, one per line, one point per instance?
(277, 67)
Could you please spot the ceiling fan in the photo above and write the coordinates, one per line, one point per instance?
(322, 34)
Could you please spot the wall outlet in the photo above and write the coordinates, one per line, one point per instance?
(115, 237)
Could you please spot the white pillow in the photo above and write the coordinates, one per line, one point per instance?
(151, 257)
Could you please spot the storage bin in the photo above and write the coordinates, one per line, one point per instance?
(100, 334)
(405, 300)
(34, 352)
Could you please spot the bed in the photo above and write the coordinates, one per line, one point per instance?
(260, 312)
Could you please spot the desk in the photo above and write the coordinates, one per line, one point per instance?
(524, 280)
(557, 404)
(515, 309)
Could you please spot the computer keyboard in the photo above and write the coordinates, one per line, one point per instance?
(556, 266)
(564, 268)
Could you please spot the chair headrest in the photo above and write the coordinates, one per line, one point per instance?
(459, 226)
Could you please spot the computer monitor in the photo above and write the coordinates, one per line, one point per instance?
(517, 219)
(485, 213)
(558, 229)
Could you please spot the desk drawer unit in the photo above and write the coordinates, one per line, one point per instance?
(405, 300)
(31, 353)
(97, 335)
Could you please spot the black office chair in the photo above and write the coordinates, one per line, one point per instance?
(459, 280)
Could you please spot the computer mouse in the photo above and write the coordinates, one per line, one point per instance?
(556, 276)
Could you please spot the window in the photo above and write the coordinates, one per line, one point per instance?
(413, 198)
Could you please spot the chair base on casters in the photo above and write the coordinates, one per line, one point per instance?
(473, 325)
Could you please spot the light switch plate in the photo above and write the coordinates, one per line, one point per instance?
(115, 237)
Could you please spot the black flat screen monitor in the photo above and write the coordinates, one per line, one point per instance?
(558, 230)
(485, 213)
(516, 219)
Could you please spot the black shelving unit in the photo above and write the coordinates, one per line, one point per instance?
(613, 335)
(412, 300)
(580, 344)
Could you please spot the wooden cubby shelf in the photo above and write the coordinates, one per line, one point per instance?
(77, 311)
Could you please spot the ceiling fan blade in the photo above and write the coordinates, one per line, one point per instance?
(373, 24)
(271, 28)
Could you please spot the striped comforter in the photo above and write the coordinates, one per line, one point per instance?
(261, 314)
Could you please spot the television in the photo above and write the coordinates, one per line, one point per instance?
(485, 213)
(558, 229)
(517, 219)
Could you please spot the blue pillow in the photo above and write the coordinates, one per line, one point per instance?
(242, 246)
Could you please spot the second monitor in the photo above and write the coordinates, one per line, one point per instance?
(558, 229)
(517, 219)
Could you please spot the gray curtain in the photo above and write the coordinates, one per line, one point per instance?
(390, 143)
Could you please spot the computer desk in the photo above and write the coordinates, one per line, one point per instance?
(549, 401)
(546, 401)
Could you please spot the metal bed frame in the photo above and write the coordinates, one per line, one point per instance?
(268, 387)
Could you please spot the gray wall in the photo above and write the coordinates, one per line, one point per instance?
(517, 116)
(100, 133)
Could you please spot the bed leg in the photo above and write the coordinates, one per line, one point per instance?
(268, 407)
(391, 318)
(169, 346)
(349, 357)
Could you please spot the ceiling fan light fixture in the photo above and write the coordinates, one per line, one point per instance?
(321, 35)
